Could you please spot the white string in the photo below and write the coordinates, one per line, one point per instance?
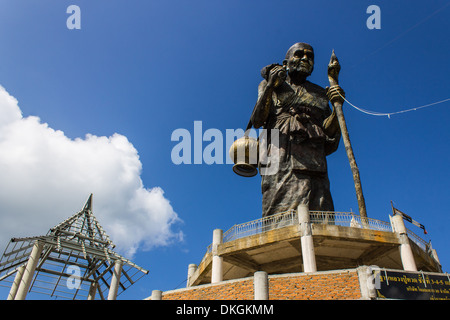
(402, 34)
(374, 113)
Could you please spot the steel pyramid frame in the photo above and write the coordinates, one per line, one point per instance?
(75, 261)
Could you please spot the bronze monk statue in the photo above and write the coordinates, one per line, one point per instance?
(308, 132)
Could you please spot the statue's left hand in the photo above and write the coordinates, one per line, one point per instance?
(335, 94)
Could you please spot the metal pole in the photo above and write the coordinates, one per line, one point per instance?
(29, 271)
(115, 280)
(92, 291)
(16, 283)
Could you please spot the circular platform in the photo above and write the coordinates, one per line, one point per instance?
(341, 241)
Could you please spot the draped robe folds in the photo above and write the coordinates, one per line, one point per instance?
(298, 112)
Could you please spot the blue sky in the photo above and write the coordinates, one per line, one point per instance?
(143, 69)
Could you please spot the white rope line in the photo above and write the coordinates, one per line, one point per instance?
(402, 34)
(375, 113)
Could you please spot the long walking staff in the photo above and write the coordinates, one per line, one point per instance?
(333, 73)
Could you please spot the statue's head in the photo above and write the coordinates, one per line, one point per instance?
(300, 59)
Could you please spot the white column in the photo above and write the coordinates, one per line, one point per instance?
(406, 254)
(217, 261)
(115, 280)
(367, 282)
(92, 291)
(191, 270)
(16, 283)
(28, 273)
(434, 254)
(261, 285)
(156, 295)
(308, 255)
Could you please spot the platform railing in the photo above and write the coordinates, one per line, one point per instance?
(261, 225)
(288, 218)
(418, 240)
(348, 219)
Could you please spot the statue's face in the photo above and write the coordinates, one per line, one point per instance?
(300, 59)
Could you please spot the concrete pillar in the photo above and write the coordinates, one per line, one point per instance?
(92, 291)
(156, 295)
(433, 253)
(367, 282)
(217, 261)
(115, 280)
(16, 283)
(406, 254)
(28, 273)
(308, 255)
(261, 285)
(191, 270)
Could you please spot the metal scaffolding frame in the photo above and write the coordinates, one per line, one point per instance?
(74, 260)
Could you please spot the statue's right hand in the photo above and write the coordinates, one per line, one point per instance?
(277, 75)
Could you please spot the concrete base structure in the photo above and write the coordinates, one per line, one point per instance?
(336, 247)
(346, 284)
(340, 284)
(298, 259)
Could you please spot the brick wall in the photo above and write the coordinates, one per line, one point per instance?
(229, 290)
(336, 285)
(326, 285)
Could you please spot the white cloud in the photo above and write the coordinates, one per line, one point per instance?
(45, 177)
